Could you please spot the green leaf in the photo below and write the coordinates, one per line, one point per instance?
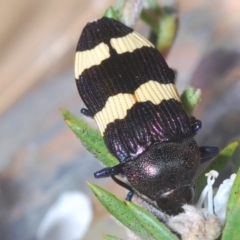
(163, 23)
(234, 196)
(231, 229)
(90, 138)
(119, 6)
(150, 223)
(120, 211)
(217, 164)
(167, 32)
(190, 99)
(111, 13)
(109, 237)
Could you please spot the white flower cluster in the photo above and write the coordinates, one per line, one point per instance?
(206, 219)
(216, 203)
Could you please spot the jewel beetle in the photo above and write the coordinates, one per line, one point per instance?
(129, 90)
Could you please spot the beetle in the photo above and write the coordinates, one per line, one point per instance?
(129, 90)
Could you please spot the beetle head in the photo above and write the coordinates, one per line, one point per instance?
(164, 173)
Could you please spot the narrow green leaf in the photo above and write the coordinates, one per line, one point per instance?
(163, 23)
(148, 16)
(150, 223)
(109, 237)
(167, 32)
(119, 6)
(217, 164)
(190, 99)
(234, 196)
(231, 229)
(120, 211)
(90, 138)
(111, 13)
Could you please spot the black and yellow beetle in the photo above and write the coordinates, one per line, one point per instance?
(129, 90)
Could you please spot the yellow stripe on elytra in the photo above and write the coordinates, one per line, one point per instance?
(89, 58)
(129, 43)
(156, 92)
(116, 106)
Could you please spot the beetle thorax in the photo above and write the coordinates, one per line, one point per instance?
(163, 167)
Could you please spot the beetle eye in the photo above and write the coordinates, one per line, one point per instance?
(176, 198)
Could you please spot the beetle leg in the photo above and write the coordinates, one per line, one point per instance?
(174, 73)
(196, 124)
(129, 195)
(208, 153)
(111, 172)
(123, 184)
(86, 112)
